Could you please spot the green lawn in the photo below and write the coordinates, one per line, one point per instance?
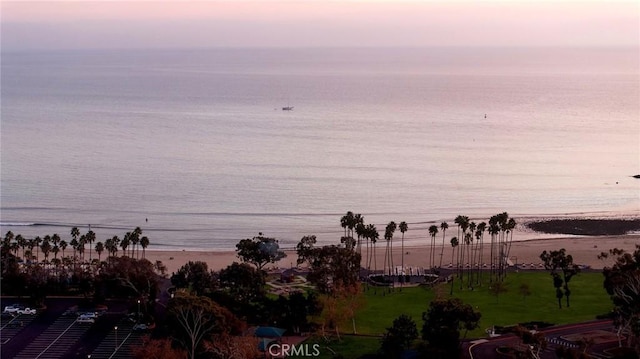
(381, 307)
(588, 299)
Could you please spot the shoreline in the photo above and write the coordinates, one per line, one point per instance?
(584, 250)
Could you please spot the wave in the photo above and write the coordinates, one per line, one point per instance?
(17, 224)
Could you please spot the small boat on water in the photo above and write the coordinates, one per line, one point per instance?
(287, 108)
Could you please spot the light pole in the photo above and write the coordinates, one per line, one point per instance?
(138, 308)
(116, 342)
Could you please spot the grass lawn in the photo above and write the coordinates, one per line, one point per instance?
(381, 307)
(588, 299)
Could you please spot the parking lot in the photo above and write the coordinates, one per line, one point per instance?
(55, 333)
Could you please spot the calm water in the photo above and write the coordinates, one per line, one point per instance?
(196, 141)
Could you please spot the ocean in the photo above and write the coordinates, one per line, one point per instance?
(193, 145)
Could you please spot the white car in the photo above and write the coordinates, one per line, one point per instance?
(92, 315)
(85, 320)
(13, 308)
(27, 311)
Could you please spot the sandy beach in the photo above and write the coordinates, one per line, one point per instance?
(583, 249)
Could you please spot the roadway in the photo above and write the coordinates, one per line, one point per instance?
(563, 335)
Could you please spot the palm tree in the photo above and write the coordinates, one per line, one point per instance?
(454, 244)
(403, 228)
(433, 230)
(463, 224)
(347, 222)
(125, 243)
(494, 229)
(22, 242)
(63, 246)
(443, 226)
(81, 243)
(75, 235)
(45, 247)
(55, 260)
(36, 244)
(372, 235)
(90, 238)
(361, 233)
(480, 244)
(6, 242)
(468, 241)
(31, 243)
(99, 249)
(74, 245)
(55, 250)
(135, 239)
(388, 236)
(359, 227)
(144, 243)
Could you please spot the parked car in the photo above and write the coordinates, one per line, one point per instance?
(85, 320)
(140, 327)
(26, 311)
(13, 308)
(93, 315)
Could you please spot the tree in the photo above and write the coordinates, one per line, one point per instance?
(45, 248)
(242, 282)
(433, 231)
(454, 244)
(332, 267)
(99, 249)
(443, 323)
(373, 235)
(559, 260)
(129, 277)
(482, 226)
(193, 318)
(90, 237)
(304, 249)
(337, 307)
(403, 228)
(225, 346)
(533, 342)
(399, 337)
(63, 246)
(443, 226)
(195, 276)
(622, 282)
(388, 236)
(157, 349)
(498, 288)
(144, 243)
(259, 251)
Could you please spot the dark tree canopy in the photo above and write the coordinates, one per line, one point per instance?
(304, 248)
(333, 266)
(442, 325)
(193, 319)
(399, 337)
(194, 276)
(556, 262)
(622, 282)
(126, 276)
(259, 251)
(243, 282)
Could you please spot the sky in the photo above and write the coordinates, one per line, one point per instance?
(29, 25)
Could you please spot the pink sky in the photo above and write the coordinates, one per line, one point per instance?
(51, 24)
